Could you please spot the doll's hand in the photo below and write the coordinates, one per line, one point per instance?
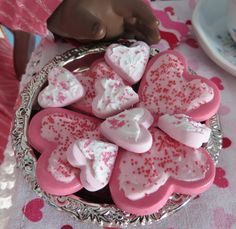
(91, 20)
(139, 22)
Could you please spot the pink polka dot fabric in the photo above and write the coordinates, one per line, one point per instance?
(216, 208)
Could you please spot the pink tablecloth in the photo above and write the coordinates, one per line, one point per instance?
(216, 208)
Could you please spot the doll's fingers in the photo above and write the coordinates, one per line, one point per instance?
(146, 23)
(87, 27)
(141, 31)
(130, 21)
(143, 21)
(131, 31)
(131, 9)
(130, 36)
(70, 20)
(140, 37)
(151, 35)
(134, 35)
(144, 14)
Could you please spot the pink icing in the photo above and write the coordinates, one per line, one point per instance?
(51, 132)
(64, 130)
(168, 88)
(167, 158)
(60, 169)
(146, 181)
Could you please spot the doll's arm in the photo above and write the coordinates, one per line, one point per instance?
(24, 44)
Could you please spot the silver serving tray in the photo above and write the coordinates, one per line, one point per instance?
(100, 214)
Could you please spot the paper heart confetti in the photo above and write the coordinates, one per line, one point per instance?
(112, 97)
(181, 128)
(33, 210)
(128, 62)
(98, 70)
(67, 227)
(95, 159)
(63, 89)
(129, 130)
(218, 82)
(226, 143)
(168, 88)
(142, 183)
(51, 132)
(221, 179)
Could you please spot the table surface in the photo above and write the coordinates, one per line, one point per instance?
(214, 209)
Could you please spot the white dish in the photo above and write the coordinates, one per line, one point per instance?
(209, 23)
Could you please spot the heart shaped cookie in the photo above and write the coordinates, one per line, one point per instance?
(183, 129)
(63, 89)
(96, 161)
(98, 70)
(51, 132)
(112, 97)
(142, 183)
(168, 88)
(128, 62)
(129, 130)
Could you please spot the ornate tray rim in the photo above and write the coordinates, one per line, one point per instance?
(83, 211)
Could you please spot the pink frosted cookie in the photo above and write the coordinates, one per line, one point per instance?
(168, 88)
(129, 130)
(51, 132)
(98, 70)
(142, 183)
(96, 161)
(128, 62)
(183, 129)
(112, 97)
(63, 89)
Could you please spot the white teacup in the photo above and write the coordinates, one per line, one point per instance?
(231, 18)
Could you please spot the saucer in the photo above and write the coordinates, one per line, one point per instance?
(209, 23)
